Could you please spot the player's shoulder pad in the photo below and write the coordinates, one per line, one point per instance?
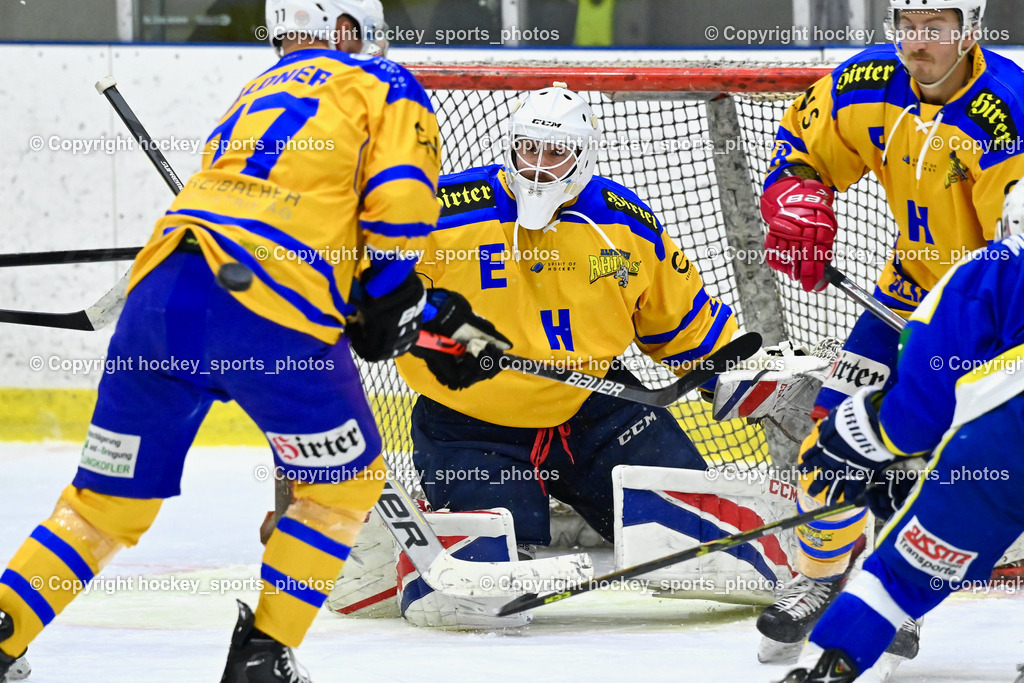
(871, 69)
(995, 105)
(468, 192)
(402, 85)
(609, 202)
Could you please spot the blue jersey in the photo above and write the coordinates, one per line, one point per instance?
(962, 352)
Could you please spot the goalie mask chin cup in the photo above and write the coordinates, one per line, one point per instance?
(1012, 221)
(555, 118)
(971, 14)
(319, 18)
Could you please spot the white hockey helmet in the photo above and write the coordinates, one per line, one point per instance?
(1012, 222)
(319, 18)
(558, 116)
(971, 14)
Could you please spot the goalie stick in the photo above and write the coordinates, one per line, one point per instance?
(108, 308)
(863, 297)
(453, 576)
(723, 359)
(531, 600)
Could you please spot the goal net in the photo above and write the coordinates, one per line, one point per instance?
(694, 142)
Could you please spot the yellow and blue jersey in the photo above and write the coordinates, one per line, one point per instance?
(322, 160)
(578, 294)
(945, 169)
(962, 352)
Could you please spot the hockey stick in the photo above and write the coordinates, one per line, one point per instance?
(49, 258)
(531, 600)
(863, 297)
(718, 362)
(450, 575)
(108, 308)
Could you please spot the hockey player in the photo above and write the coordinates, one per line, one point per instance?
(573, 268)
(363, 172)
(936, 118)
(959, 376)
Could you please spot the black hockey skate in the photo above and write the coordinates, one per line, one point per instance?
(834, 666)
(797, 608)
(11, 668)
(256, 657)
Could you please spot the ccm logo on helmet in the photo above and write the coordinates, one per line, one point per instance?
(551, 124)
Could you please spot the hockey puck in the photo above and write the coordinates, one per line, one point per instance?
(234, 277)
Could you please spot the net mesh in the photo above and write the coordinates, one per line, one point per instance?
(661, 146)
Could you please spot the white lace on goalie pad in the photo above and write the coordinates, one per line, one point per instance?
(660, 511)
(774, 383)
(479, 573)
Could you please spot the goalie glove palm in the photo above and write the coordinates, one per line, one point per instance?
(455, 319)
(845, 451)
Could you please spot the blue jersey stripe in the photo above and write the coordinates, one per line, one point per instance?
(699, 302)
(403, 172)
(265, 230)
(706, 344)
(387, 229)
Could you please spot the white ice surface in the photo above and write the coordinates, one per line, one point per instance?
(210, 533)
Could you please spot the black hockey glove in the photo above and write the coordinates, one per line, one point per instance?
(455, 319)
(846, 452)
(389, 325)
(893, 486)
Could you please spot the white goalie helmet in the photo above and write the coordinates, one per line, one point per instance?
(319, 18)
(557, 121)
(1012, 222)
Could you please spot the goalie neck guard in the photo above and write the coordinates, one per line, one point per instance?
(319, 18)
(561, 125)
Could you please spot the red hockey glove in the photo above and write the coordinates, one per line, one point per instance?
(801, 229)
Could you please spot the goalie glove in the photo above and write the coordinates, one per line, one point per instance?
(779, 383)
(455, 319)
(845, 452)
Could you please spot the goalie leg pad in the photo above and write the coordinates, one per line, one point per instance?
(368, 585)
(660, 511)
(483, 536)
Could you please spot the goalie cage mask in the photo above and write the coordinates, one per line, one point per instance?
(552, 119)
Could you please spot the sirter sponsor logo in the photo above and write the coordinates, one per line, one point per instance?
(463, 197)
(642, 214)
(874, 73)
(993, 116)
(333, 448)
